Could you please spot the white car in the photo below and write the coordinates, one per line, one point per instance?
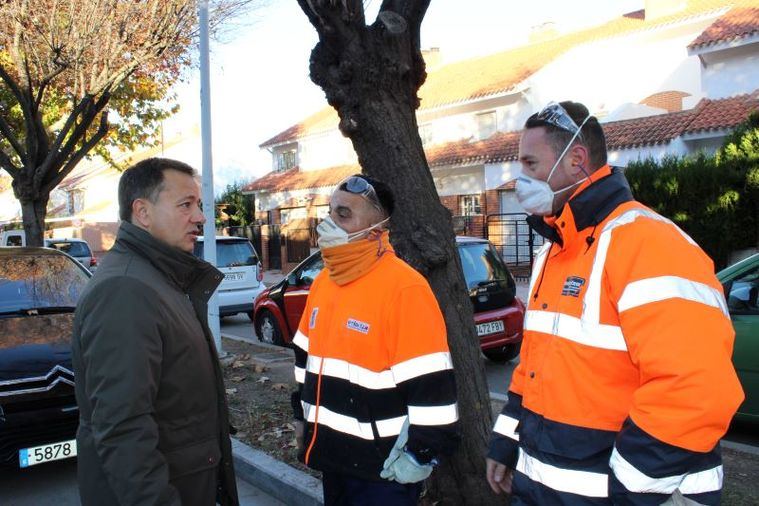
(238, 260)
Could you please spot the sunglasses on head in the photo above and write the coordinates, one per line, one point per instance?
(360, 186)
(554, 114)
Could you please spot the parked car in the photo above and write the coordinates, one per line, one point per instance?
(498, 312)
(237, 259)
(741, 284)
(39, 290)
(77, 248)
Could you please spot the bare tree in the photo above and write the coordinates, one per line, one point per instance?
(64, 64)
(371, 75)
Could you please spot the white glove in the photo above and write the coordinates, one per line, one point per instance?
(401, 466)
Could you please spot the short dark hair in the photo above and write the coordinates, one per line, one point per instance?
(144, 180)
(383, 191)
(591, 135)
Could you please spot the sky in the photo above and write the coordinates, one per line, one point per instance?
(259, 74)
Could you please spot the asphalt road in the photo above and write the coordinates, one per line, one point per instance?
(54, 484)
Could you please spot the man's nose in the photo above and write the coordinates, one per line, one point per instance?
(199, 217)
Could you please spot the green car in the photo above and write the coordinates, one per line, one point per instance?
(741, 283)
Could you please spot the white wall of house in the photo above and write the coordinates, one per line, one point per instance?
(732, 71)
(607, 74)
(323, 150)
(622, 157)
(459, 180)
(497, 174)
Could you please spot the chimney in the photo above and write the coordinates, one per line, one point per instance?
(543, 32)
(656, 9)
(433, 60)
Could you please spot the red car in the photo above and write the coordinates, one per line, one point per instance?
(498, 313)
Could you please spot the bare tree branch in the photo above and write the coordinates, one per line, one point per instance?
(7, 132)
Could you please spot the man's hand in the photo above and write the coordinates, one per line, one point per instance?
(499, 476)
(300, 434)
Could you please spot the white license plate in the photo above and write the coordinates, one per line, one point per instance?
(483, 329)
(234, 276)
(47, 453)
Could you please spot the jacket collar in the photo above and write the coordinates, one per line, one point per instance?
(589, 206)
(189, 273)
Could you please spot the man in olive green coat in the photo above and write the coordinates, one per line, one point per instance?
(153, 423)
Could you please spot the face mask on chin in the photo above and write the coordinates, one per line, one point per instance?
(331, 235)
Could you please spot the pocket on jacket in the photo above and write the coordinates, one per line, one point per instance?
(193, 458)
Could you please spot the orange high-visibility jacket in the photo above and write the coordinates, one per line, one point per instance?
(625, 383)
(369, 355)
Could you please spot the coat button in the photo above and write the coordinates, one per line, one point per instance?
(544, 306)
(210, 460)
(532, 374)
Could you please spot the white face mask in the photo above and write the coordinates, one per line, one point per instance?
(536, 196)
(330, 234)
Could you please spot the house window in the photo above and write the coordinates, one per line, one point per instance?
(286, 160)
(75, 202)
(486, 124)
(469, 205)
(425, 133)
(295, 213)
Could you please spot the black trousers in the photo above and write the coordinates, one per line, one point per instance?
(345, 490)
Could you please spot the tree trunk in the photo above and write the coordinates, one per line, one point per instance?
(371, 76)
(33, 212)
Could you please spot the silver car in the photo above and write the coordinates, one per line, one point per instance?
(77, 248)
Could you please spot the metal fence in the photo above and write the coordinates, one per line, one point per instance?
(514, 239)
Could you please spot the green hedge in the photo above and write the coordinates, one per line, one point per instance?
(714, 198)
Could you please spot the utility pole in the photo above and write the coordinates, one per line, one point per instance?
(209, 229)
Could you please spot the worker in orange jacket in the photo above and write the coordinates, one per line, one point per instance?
(376, 403)
(625, 384)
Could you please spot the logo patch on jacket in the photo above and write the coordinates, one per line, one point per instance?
(358, 326)
(573, 286)
(312, 320)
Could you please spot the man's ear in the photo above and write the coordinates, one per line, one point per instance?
(579, 158)
(140, 213)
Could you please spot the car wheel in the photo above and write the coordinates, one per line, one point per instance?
(504, 354)
(268, 329)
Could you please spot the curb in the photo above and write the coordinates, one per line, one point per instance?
(276, 478)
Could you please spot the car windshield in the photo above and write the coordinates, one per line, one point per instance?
(481, 264)
(39, 281)
(75, 249)
(231, 253)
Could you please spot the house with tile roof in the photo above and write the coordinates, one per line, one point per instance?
(670, 79)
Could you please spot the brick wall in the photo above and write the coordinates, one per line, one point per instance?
(671, 100)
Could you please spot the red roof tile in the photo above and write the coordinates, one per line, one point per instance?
(724, 113)
(500, 147)
(296, 179)
(740, 22)
(504, 146)
(501, 72)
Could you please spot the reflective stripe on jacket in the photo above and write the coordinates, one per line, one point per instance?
(379, 344)
(626, 361)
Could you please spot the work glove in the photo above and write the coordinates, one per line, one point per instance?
(401, 465)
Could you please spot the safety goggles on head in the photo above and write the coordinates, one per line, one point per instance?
(554, 114)
(360, 186)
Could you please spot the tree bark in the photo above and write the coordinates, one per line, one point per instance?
(371, 75)
(33, 212)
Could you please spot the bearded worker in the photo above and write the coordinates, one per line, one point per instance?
(376, 405)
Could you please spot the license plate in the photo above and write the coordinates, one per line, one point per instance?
(234, 276)
(47, 453)
(483, 329)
